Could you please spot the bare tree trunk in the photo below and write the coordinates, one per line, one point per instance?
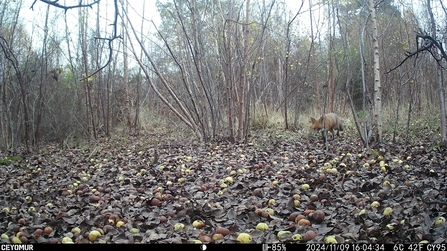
(410, 110)
(442, 104)
(72, 68)
(332, 69)
(440, 80)
(136, 120)
(367, 104)
(43, 79)
(126, 76)
(314, 57)
(8, 49)
(101, 100)
(399, 102)
(9, 54)
(86, 82)
(204, 107)
(198, 66)
(182, 112)
(244, 82)
(349, 71)
(229, 79)
(286, 78)
(377, 83)
(286, 72)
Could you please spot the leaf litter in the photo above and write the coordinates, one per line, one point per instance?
(116, 189)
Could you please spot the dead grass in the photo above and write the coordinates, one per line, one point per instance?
(271, 121)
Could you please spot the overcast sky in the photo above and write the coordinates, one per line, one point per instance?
(34, 18)
(30, 16)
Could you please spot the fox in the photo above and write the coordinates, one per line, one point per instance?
(330, 122)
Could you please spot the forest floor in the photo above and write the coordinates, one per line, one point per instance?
(113, 192)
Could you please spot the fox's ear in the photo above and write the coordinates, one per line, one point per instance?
(312, 120)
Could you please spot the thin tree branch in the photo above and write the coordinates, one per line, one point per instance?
(56, 4)
(114, 36)
(429, 44)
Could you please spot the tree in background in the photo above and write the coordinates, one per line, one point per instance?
(209, 68)
(378, 121)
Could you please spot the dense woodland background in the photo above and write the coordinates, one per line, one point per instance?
(119, 126)
(211, 69)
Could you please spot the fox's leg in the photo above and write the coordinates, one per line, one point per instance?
(324, 133)
(333, 134)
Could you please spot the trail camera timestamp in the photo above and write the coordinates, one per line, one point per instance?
(345, 247)
(376, 247)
